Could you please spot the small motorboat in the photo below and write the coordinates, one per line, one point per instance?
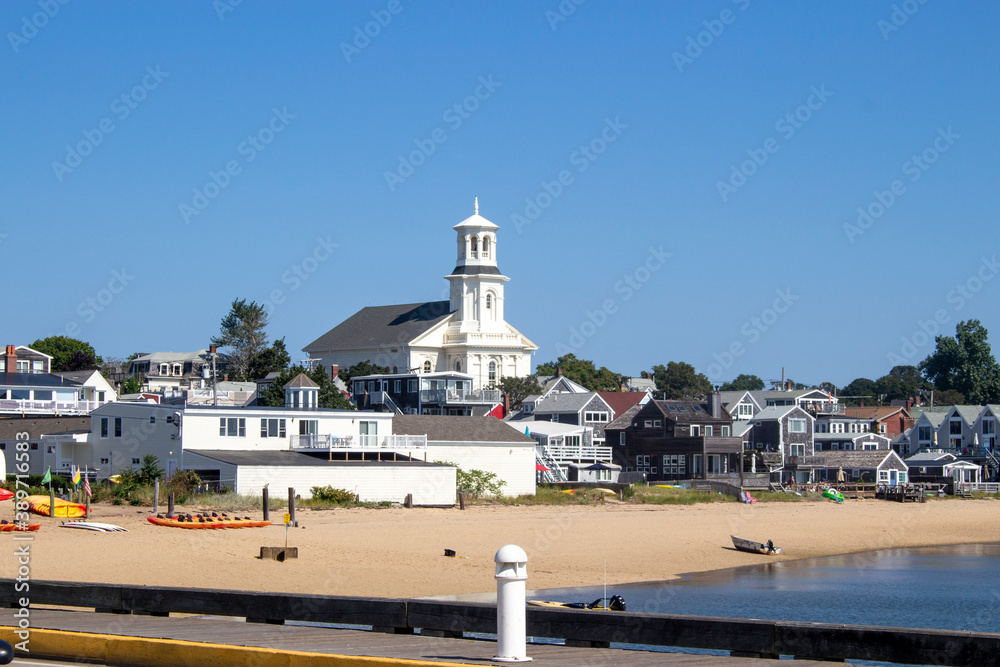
(768, 548)
(613, 603)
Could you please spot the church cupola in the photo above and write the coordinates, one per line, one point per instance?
(301, 392)
(476, 282)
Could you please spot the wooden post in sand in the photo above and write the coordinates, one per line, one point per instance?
(266, 497)
(291, 505)
(156, 494)
(170, 504)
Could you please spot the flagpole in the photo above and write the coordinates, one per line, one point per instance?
(86, 486)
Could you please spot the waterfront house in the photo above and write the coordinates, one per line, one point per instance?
(937, 467)
(882, 466)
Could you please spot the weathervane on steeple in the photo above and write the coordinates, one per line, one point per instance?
(477, 206)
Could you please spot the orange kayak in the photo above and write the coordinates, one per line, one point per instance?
(18, 527)
(5, 494)
(64, 508)
(205, 522)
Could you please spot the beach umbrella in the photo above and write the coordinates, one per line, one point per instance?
(840, 474)
(540, 468)
(598, 466)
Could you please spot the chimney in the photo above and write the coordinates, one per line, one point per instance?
(909, 404)
(506, 404)
(715, 403)
(558, 370)
(225, 378)
(334, 371)
(212, 349)
(10, 359)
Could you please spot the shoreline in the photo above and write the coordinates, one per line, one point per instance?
(396, 552)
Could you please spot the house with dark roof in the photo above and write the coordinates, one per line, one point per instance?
(929, 467)
(43, 434)
(676, 440)
(786, 430)
(476, 443)
(887, 420)
(465, 334)
(29, 388)
(884, 467)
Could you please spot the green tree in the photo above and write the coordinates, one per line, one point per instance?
(150, 469)
(965, 364)
(743, 382)
(243, 332)
(132, 384)
(901, 382)
(948, 397)
(329, 395)
(362, 369)
(68, 354)
(273, 358)
(679, 380)
(517, 389)
(858, 391)
(583, 372)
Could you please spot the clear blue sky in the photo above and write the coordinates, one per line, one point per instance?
(329, 121)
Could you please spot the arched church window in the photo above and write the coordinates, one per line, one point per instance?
(458, 365)
(486, 246)
(493, 372)
(489, 302)
(475, 245)
(427, 367)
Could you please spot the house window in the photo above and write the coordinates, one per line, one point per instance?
(164, 368)
(427, 367)
(493, 372)
(989, 427)
(152, 419)
(489, 302)
(648, 423)
(104, 461)
(411, 386)
(797, 425)
(396, 386)
(170, 419)
(177, 369)
(695, 430)
(798, 450)
(272, 428)
(955, 427)
(869, 446)
(725, 431)
(104, 427)
(458, 365)
(118, 427)
(708, 431)
(595, 417)
(924, 433)
(621, 438)
(50, 449)
(232, 427)
(135, 461)
(657, 423)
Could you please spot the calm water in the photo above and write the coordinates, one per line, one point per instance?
(949, 588)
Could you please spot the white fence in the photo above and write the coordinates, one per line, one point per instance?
(49, 407)
(359, 442)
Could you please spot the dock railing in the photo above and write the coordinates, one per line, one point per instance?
(740, 636)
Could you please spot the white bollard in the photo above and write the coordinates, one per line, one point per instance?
(512, 572)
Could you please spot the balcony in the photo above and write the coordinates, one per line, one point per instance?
(455, 397)
(492, 339)
(577, 453)
(805, 461)
(358, 443)
(49, 407)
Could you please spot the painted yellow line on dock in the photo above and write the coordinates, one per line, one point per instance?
(148, 652)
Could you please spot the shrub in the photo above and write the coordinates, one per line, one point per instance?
(477, 483)
(329, 494)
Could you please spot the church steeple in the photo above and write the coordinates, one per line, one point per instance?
(476, 282)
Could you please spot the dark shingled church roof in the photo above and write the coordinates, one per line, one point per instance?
(383, 325)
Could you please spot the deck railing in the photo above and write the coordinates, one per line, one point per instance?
(47, 407)
(447, 396)
(580, 453)
(326, 441)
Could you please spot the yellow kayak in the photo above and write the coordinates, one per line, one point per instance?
(64, 508)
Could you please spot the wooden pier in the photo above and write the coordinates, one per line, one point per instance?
(398, 622)
(340, 642)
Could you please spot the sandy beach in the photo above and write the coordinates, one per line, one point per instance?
(396, 552)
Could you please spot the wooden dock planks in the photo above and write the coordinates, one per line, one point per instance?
(364, 643)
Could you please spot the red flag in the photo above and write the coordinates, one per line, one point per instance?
(86, 486)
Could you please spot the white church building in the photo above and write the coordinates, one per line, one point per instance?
(466, 334)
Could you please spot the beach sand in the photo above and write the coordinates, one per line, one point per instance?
(397, 552)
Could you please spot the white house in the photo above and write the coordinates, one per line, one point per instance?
(466, 334)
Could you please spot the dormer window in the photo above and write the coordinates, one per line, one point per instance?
(164, 369)
(177, 369)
